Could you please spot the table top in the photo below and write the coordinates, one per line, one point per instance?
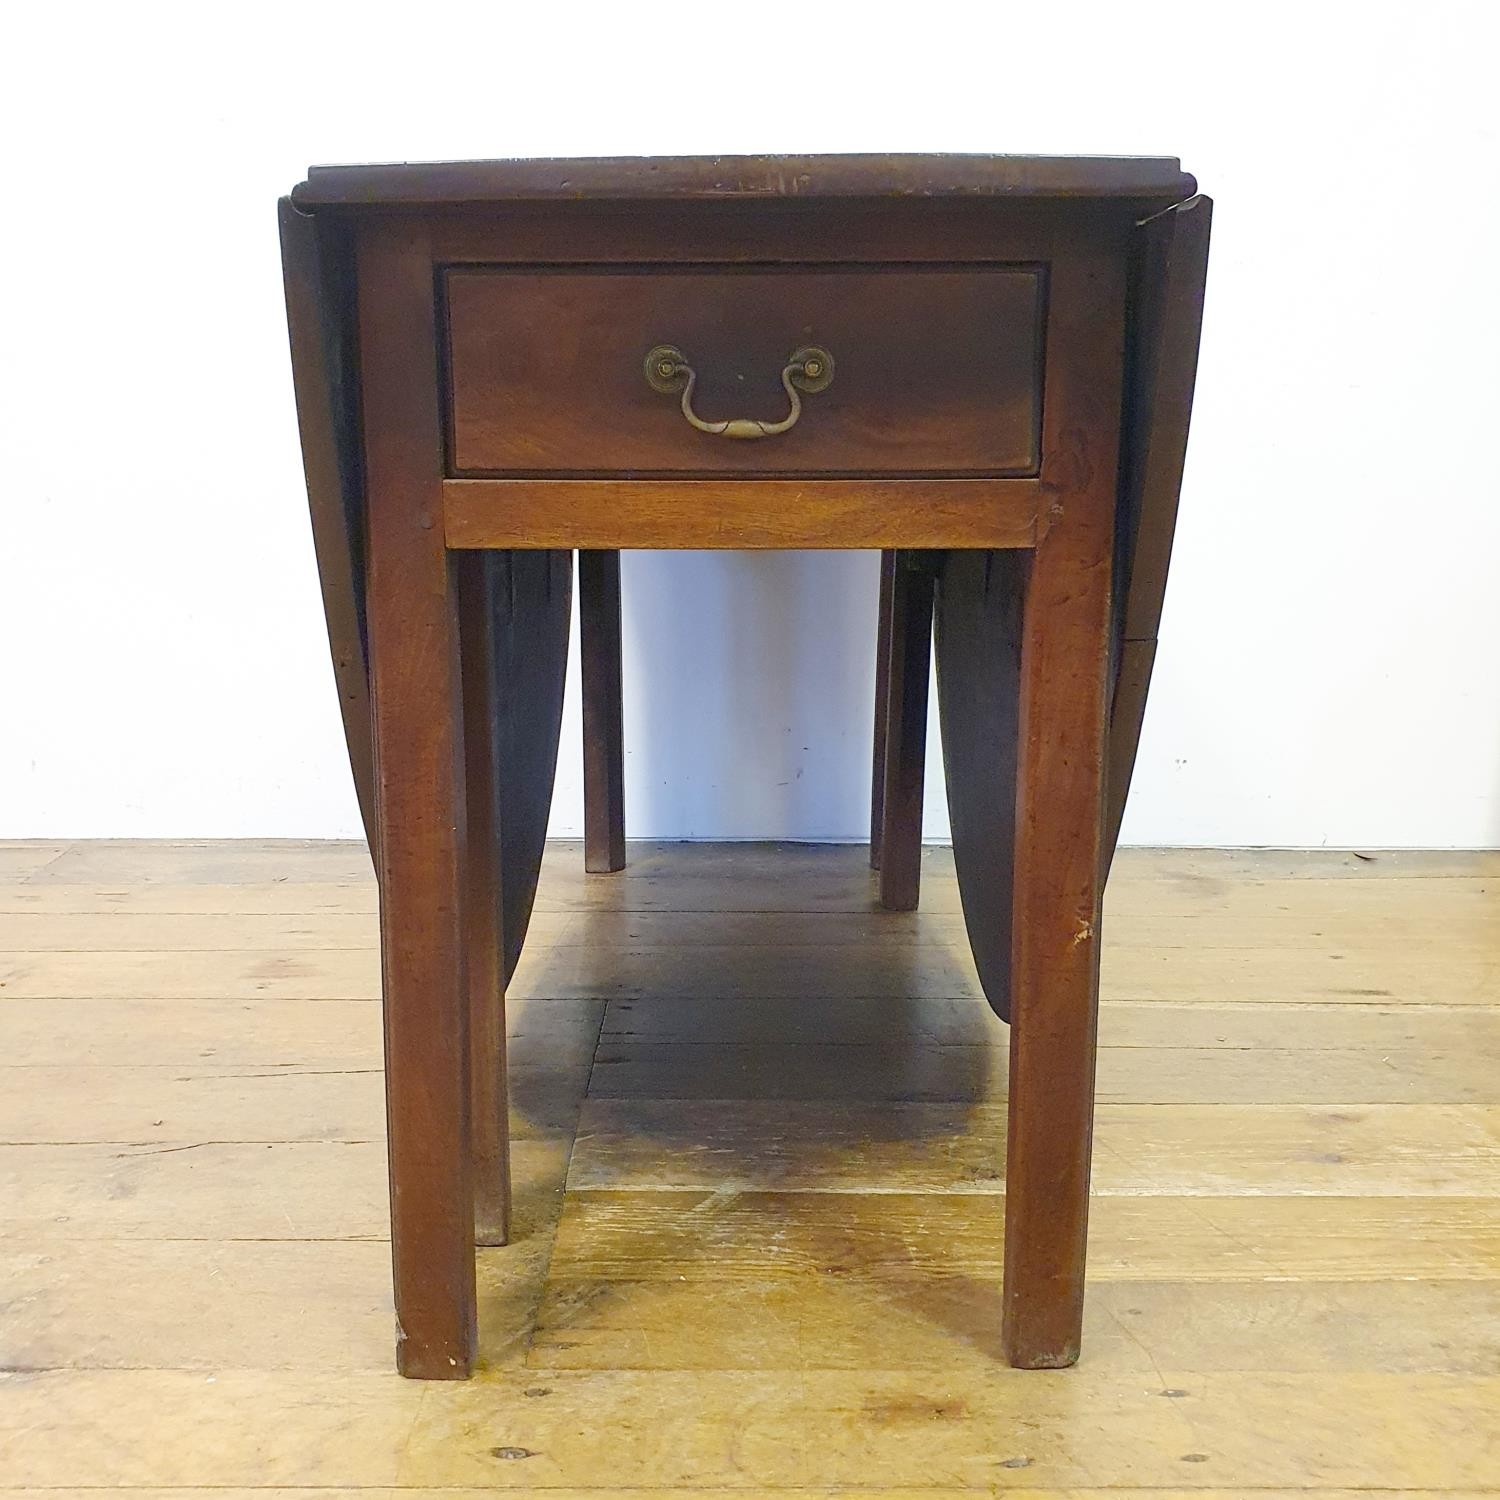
(603, 178)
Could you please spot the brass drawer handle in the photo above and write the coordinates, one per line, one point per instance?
(807, 370)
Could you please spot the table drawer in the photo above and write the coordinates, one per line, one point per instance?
(915, 371)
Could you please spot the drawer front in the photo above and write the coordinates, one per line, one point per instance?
(935, 371)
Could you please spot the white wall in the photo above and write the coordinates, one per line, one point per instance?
(1328, 664)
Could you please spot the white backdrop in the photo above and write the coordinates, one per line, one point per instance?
(1328, 668)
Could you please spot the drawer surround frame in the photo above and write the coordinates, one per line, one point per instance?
(625, 512)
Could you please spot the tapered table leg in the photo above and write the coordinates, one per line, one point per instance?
(882, 704)
(603, 712)
(1059, 779)
(417, 712)
(1055, 960)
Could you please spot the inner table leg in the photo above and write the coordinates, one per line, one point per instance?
(882, 704)
(910, 664)
(603, 712)
(483, 936)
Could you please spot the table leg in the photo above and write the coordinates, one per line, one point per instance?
(1055, 949)
(882, 704)
(422, 816)
(417, 713)
(603, 713)
(483, 935)
(910, 663)
(1023, 656)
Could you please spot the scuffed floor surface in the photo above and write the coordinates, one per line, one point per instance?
(759, 1133)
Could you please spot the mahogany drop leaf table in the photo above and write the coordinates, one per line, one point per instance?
(981, 365)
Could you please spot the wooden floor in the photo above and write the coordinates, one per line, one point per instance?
(759, 1142)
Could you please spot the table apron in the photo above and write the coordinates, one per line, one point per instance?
(743, 513)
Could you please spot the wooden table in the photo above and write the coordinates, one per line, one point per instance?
(982, 365)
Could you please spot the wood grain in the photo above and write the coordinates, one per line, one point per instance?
(1061, 740)
(420, 812)
(602, 691)
(902, 1069)
(23, 858)
(1294, 1289)
(882, 702)
(955, 231)
(317, 272)
(861, 1146)
(935, 371)
(1169, 269)
(840, 1492)
(903, 694)
(571, 179)
(533, 593)
(715, 512)
(978, 635)
(579, 956)
(257, 1036)
(136, 870)
(484, 932)
(712, 1321)
(225, 1190)
(270, 1429)
(1336, 894)
(725, 1233)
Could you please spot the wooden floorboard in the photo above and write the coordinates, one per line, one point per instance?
(759, 1132)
